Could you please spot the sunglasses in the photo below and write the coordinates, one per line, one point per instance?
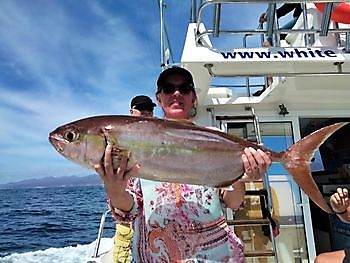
(142, 107)
(184, 88)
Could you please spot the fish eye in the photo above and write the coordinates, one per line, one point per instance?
(71, 135)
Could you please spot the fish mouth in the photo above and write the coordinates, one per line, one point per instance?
(55, 140)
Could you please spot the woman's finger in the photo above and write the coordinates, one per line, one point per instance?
(334, 201)
(122, 167)
(346, 196)
(247, 169)
(265, 157)
(108, 163)
(132, 172)
(337, 198)
(100, 170)
(251, 160)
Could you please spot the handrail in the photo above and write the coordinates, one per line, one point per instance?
(200, 36)
(235, 85)
(338, 65)
(211, 2)
(306, 38)
(201, 41)
(326, 19)
(194, 11)
(162, 46)
(100, 233)
(271, 15)
(196, 17)
(217, 17)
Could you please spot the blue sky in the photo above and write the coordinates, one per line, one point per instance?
(62, 60)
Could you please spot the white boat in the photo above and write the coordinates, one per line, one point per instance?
(310, 89)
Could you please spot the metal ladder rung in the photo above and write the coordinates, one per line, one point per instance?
(230, 117)
(259, 192)
(260, 253)
(246, 222)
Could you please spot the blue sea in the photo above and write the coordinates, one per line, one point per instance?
(51, 224)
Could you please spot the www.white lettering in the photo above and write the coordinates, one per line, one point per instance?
(294, 53)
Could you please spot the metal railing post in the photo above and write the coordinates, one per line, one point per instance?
(162, 47)
(100, 233)
(217, 17)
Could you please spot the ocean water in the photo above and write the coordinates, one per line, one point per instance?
(51, 224)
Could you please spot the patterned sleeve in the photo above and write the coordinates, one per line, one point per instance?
(134, 188)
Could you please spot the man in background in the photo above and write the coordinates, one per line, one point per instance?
(340, 204)
(139, 106)
(142, 106)
(282, 11)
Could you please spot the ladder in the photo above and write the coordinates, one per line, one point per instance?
(266, 222)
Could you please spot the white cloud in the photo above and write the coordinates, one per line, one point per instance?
(56, 67)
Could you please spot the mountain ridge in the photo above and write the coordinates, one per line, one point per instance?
(53, 181)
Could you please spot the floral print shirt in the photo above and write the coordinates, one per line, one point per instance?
(179, 223)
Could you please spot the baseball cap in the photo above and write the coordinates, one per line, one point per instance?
(175, 70)
(142, 102)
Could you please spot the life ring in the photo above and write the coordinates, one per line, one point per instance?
(340, 13)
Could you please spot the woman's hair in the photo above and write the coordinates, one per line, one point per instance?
(194, 107)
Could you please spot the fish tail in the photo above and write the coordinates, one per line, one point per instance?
(297, 159)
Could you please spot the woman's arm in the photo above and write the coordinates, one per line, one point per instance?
(234, 197)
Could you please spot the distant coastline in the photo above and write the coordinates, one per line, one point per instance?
(51, 181)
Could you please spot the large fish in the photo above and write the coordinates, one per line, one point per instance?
(180, 152)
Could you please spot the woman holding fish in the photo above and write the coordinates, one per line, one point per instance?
(173, 221)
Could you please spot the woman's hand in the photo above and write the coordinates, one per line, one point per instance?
(255, 163)
(116, 180)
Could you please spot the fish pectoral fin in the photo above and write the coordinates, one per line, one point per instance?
(116, 151)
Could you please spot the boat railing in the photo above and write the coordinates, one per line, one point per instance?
(100, 234)
(207, 51)
(272, 28)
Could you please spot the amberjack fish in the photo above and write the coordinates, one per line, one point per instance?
(181, 152)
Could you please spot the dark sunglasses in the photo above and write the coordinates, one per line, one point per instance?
(184, 88)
